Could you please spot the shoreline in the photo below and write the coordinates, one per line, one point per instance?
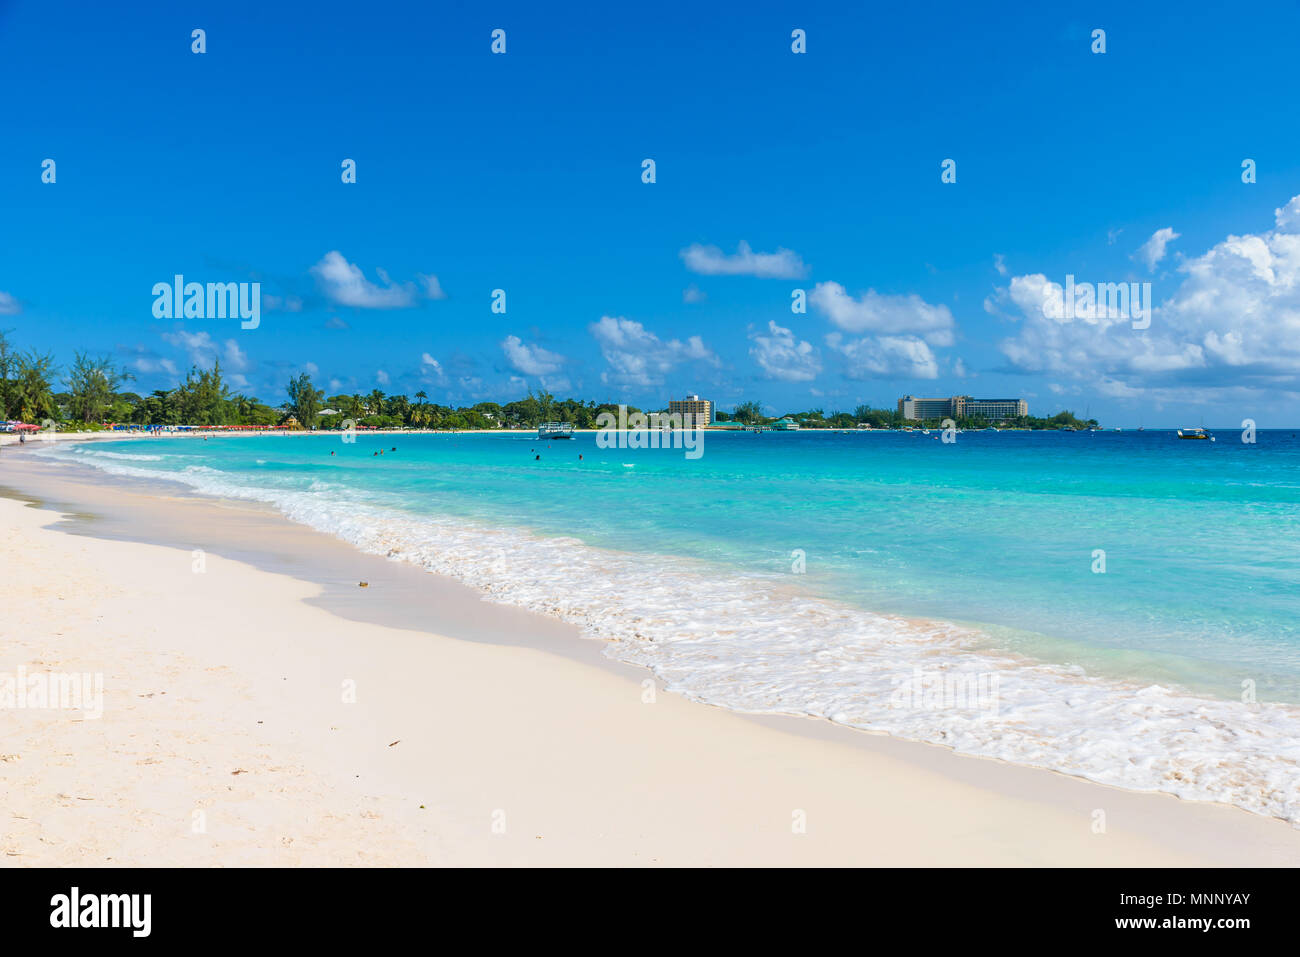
(844, 664)
(935, 790)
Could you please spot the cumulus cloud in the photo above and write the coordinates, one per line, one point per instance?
(712, 261)
(530, 359)
(638, 357)
(9, 305)
(147, 362)
(1288, 217)
(346, 285)
(203, 351)
(1000, 264)
(1153, 250)
(693, 294)
(784, 357)
(1233, 323)
(907, 315)
(885, 357)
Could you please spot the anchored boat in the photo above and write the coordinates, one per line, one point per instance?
(1195, 434)
(555, 430)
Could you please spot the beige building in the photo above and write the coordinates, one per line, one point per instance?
(693, 410)
(959, 407)
(964, 406)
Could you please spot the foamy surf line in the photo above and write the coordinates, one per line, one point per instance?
(752, 644)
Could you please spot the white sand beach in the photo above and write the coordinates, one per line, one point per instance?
(260, 708)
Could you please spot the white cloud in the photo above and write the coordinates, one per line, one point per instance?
(382, 377)
(693, 294)
(909, 315)
(1153, 250)
(149, 364)
(530, 359)
(199, 346)
(235, 357)
(431, 370)
(1231, 326)
(1000, 263)
(712, 261)
(784, 357)
(885, 357)
(203, 351)
(1288, 217)
(346, 285)
(9, 305)
(637, 357)
(432, 288)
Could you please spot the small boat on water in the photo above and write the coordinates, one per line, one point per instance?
(555, 430)
(1194, 434)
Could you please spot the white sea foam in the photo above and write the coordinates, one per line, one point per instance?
(105, 454)
(750, 643)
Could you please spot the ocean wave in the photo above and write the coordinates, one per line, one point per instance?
(105, 454)
(752, 643)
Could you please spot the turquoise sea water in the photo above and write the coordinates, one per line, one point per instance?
(981, 555)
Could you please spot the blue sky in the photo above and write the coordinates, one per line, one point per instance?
(523, 172)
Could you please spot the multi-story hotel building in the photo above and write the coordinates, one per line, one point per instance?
(694, 411)
(910, 407)
(963, 406)
(959, 407)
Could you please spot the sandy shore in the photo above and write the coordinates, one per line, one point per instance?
(259, 708)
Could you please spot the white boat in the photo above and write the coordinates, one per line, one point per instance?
(555, 430)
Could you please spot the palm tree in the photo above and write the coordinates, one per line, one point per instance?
(35, 400)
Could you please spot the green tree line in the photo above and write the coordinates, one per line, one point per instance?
(95, 393)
